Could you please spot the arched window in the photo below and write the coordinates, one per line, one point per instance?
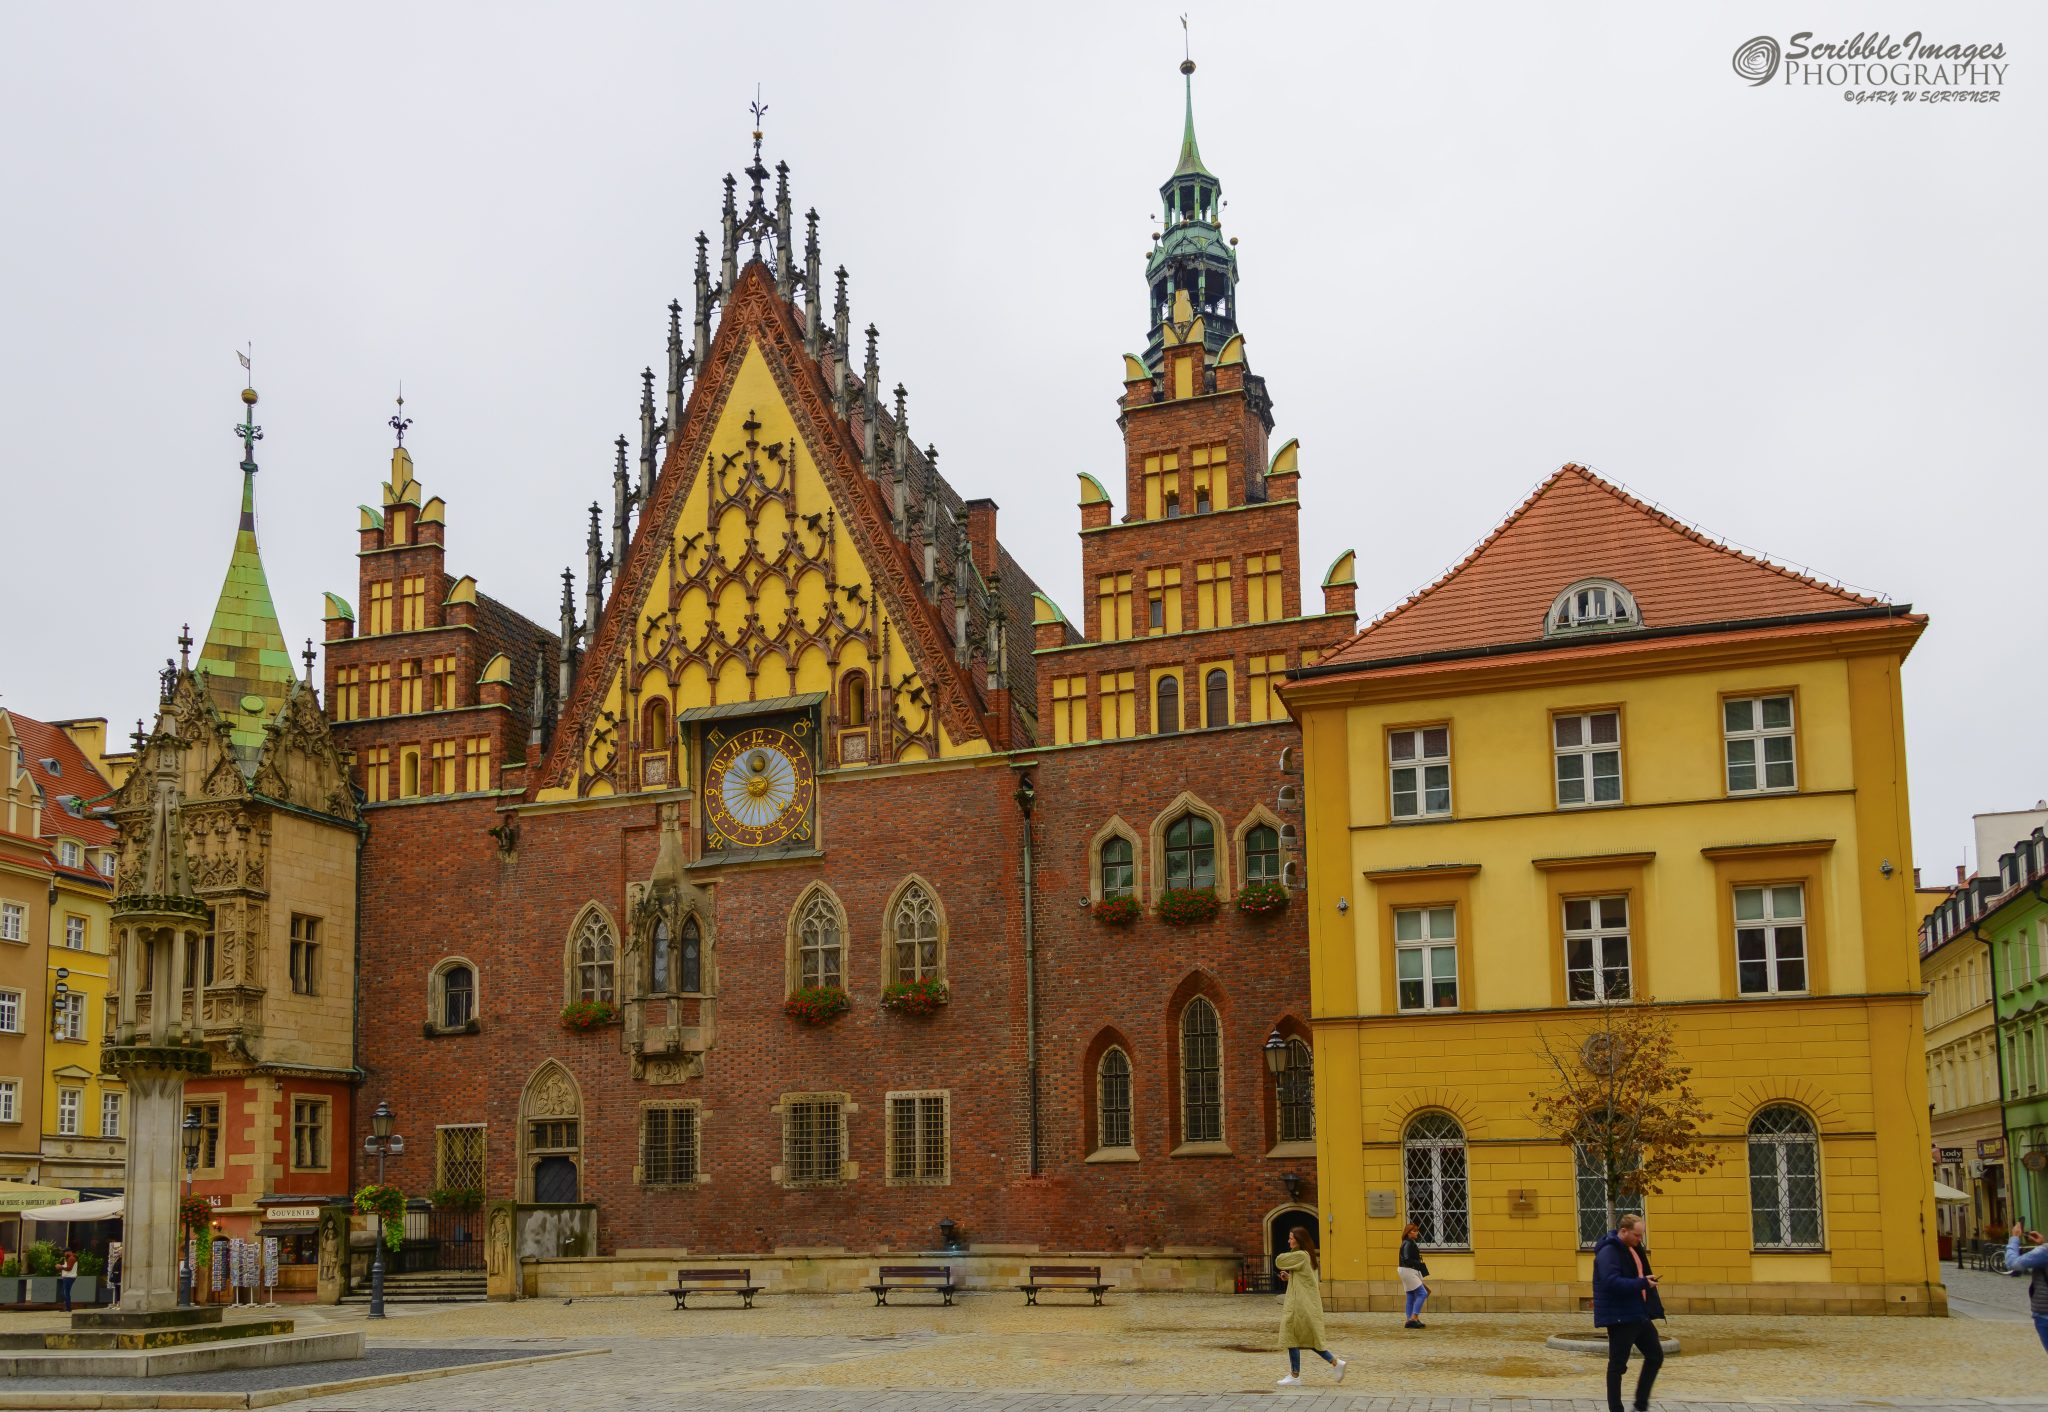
(1294, 1094)
(408, 774)
(1166, 709)
(1201, 1073)
(1216, 698)
(451, 1000)
(596, 957)
(1191, 852)
(693, 957)
(1591, 603)
(654, 733)
(1262, 855)
(1113, 1099)
(914, 936)
(1119, 876)
(1592, 1184)
(853, 700)
(1433, 1155)
(1784, 1179)
(663, 971)
(820, 954)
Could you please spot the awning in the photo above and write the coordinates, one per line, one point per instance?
(1949, 1196)
(106, 1208)
(294, 1229)
(19, 1196)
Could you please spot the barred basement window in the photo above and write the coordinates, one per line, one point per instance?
(918, 1140)
(1113, 1100)
(813, 1141)
(668, 1146)
(1201, 1073)
(1433, 1154)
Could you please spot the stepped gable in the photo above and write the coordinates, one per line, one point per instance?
(756, 316)
(1578, 526)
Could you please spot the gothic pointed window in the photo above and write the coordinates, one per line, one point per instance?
(820, 951)
(1201, 1073)
(693, 957)
(1262, 855)
(914, 936)
(1190, 852)
(1118, 873)
(1113, 1099)
(595, 959)
(662, 970)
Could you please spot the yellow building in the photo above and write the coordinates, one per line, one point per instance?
(1606, 757)
(24, 923)
(80, 1113)
(1962, 1082)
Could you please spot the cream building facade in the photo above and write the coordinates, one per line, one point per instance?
(1962, 1087)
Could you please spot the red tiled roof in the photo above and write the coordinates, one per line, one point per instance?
(75, 776)
(1577, 526)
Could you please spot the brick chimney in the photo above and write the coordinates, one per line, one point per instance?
(981, 535)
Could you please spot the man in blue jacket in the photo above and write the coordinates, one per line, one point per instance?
(2035, 1263)
(1626, 1304)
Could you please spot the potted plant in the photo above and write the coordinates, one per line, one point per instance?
(816, 1004)
(41, 1259)
(1261, 899)
(86, 1288)
(915, 997)
(1117, 911)
(10, 1280)
(388, 1202)
(586, 1015)
(1185, 906)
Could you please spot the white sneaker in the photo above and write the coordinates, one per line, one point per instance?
(1289, 1381)
(1342, 1364)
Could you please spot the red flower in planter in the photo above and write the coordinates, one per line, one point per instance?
(1117, 911)
(816, 1004)
(1262, 899)
(1185, 906)
(915, 997)
(584, 1015)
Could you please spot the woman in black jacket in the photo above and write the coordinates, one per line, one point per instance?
(1412, 1272)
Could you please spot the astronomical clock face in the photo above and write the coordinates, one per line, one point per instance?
(759, 787)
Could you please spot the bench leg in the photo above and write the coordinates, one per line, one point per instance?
(682, 1302)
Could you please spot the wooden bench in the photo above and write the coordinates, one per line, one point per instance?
(689, 1282)
(933, 1279)
(1080, 1279)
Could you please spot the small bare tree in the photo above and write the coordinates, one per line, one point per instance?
(1621, 1096)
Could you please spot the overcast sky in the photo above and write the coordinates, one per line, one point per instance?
(1477, 241)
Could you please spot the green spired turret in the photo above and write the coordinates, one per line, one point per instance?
(1190, 253)
(244, 663)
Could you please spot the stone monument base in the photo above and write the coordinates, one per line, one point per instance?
(156, 1361)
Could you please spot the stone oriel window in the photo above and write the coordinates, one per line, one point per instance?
(691, 967)
(593, 958)
(916, 935)
(920, 1139)
(1201, 1073)
(817, 941)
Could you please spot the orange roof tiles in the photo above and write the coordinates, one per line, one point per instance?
(74, 776)
(1577, 526)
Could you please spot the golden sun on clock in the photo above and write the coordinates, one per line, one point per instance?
(758, 787)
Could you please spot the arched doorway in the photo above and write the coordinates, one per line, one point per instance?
(551, 1135)
(1278, 1224)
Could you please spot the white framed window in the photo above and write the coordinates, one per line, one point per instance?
(1426, 957)
(69, 1101)
(106, 864)
(1770, 939)
(70, 1013)
(10, 1012)
(1596, 949)
(10, 1100)
(69, 854)
(920, 1139)
(1591, 603)
(1419, 772)
(13, 921)
(1759, 734)
(110, 1114)
(1588, 748)
(74, 933)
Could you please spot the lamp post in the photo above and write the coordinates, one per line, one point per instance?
(191, 1134)
(1276, 1054)
(381, 1141)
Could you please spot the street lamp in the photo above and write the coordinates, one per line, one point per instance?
(191, 1135)
(383, 1142)
(1276, 1054)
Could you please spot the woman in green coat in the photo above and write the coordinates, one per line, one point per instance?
(1301, 1320)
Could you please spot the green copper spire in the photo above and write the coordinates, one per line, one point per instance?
(247, 667)
(1190, 154)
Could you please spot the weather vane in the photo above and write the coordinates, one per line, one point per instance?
(400, 421)
(248, 431)
(759, 110)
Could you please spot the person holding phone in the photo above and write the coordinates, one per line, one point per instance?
(2033, 1262)
(1626, 1304)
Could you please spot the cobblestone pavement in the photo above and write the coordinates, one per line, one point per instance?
(1175, 1353)
(1979, 1294)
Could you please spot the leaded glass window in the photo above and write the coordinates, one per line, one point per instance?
(1784, 1179)
(1433, 1155)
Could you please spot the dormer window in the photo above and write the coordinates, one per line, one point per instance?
(1590, 605)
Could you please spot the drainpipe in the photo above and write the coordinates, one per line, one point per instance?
(1024, 796)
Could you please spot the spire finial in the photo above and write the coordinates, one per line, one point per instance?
(759, 110)
(141, 737)
(307, 657)
(1187, 49)
(399, 421)
(185, 645)
(248, 431)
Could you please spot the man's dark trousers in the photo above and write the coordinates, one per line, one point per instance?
(1641, 1334)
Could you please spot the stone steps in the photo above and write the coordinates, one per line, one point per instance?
(426, 1287)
